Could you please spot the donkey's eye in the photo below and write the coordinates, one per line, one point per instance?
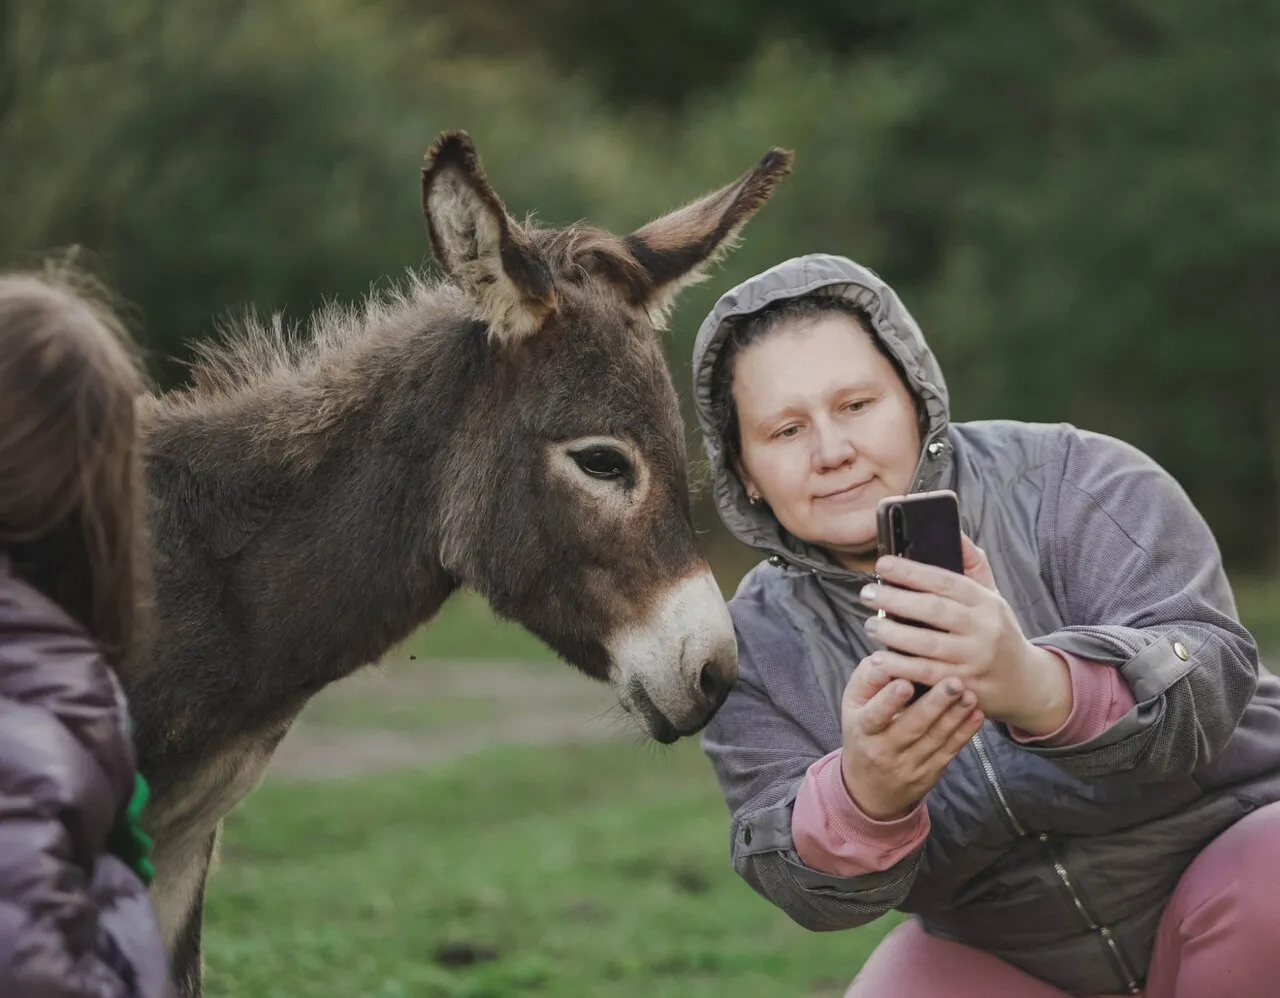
(602, 462)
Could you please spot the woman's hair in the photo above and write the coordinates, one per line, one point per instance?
(70, 480)
(756, 326)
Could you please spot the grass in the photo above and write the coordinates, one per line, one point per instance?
(410, 714)
(595, 870)
(466, 628)
(599, 870)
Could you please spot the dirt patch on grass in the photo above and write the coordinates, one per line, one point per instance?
(422, 714)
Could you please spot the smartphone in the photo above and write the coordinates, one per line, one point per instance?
(923, 527)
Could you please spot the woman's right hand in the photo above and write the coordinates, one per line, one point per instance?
(893, 753)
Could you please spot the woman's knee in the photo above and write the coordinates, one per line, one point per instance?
(1233, 881)
(1248, 848)
(900, 948)
(1219, 933)
(1248, 855)
(909, 961)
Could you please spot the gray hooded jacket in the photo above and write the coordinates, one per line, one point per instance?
(1058, 860)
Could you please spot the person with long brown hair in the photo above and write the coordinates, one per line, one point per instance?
(75, 918)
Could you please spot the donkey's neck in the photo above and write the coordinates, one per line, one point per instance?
(297, 523)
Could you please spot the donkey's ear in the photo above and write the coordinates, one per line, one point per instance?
(479, 245)
(675, 250)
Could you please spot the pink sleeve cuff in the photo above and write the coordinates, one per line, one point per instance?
(831, 834)
(1100, 697)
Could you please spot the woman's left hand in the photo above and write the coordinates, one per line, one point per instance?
(977, 639)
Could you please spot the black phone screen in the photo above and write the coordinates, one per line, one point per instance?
(924, 528)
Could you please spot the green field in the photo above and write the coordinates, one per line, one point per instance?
(595, 868)
(466, 628)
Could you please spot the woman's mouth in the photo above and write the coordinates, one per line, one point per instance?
(848, 492)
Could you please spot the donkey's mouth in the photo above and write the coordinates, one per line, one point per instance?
(660, 729)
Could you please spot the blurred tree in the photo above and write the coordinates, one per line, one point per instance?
(1105, 181)
(1079, 201)
(209, 155)
(667, 51)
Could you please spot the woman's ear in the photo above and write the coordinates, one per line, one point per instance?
(753, 494)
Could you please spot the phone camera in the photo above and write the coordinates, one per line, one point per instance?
(898, 524)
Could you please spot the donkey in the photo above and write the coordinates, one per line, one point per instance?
(512, 428)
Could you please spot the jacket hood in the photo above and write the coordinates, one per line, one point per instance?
(891, 323)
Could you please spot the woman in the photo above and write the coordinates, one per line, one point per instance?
(75, 918)
(1084, 801)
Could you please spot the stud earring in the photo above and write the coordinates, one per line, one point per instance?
(753, 498)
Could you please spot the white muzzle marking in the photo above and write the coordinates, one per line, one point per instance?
(689, 628)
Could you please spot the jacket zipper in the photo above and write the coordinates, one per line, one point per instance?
(1118, 958)
(990, 770)
(1122, 965)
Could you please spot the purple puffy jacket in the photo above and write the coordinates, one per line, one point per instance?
(74, 920)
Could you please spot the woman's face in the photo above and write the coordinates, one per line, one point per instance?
(827, 430)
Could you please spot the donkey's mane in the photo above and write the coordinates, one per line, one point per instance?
(250, 350)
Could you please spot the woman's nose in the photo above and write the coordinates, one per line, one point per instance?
(834, 448)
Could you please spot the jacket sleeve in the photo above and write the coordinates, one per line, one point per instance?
(1138, 579)
(64, 760)
(761, 746)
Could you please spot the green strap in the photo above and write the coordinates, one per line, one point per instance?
(127, 840)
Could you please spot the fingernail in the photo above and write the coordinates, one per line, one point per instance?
(902, 689)
(951, 688)
(872, 625)
(869, 592)
(968, 700)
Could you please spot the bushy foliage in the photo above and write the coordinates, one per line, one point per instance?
(1079, 202)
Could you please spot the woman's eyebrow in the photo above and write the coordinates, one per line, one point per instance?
(796, 405)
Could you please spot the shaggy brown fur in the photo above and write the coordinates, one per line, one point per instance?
(316, 496)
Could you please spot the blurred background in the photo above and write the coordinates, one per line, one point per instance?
(1079, 201)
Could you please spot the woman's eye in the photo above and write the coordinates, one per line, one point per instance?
(787, 431)
(857, 406)
(602, 462)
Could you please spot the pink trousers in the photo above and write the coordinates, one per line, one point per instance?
(1219, 937)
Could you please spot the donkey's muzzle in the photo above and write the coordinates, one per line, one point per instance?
(675, 670)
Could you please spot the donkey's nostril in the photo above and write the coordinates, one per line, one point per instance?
(713, 683)
(707, 681)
